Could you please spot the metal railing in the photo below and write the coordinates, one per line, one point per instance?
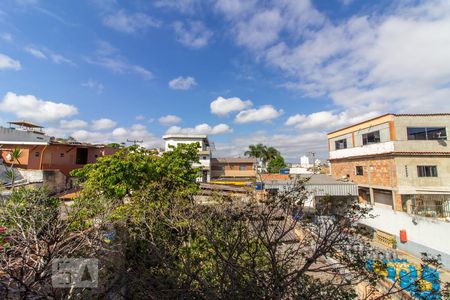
(436, 209)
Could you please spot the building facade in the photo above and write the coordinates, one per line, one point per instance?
(229, 167)
(204, 151)
(401, 163)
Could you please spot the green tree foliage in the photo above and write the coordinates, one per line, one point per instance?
(134, 168)
(276, 164)
(263, 153)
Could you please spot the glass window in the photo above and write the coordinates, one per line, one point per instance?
(426, 133)
(242, 168)
(341, 144)
(371, 138)
(359, 170)
(427, 171)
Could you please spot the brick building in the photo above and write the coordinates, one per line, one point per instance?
(401, 163)
(229, 167)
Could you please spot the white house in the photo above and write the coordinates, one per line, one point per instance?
(172, 140)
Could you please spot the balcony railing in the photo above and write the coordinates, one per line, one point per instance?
(437, 209)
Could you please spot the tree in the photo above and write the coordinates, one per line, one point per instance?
(14, 157)
(133, 168)
(276, 164)
(37, 235)
(263, 153)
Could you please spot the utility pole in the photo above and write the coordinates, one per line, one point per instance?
(135, 142)
(314, 161)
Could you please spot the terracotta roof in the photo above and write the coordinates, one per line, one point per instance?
(265, 177)
(233, 160)
(25, 124)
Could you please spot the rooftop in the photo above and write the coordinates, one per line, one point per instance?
(225, 160)
(185, 136)
(25, 124)
(390, 114)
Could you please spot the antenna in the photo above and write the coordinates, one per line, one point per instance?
(135, 142)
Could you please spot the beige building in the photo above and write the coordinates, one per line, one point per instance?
(401, 163)
(398, 160)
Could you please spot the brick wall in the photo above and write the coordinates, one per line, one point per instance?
(382, 171)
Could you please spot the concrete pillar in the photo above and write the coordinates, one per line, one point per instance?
(372, 198)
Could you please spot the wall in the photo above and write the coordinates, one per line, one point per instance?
(427, 235)
(402, 122)
(232, 170)
(54, 180)
(408, 183)
(382, 174)
(372, 149)
(348, 137)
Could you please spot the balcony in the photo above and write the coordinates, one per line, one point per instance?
(378, 148)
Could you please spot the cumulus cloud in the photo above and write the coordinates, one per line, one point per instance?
(32, 108)
(72, 124)
(184, 6)
(7, 62)
(392, 62)
(169, 120)
(103, 124)
(109, 57)
(182, 83)
(129, 22)
(287, 144)
(94, 85)
(222, 106)
(201, 129)
(263, 113)
(193, 34)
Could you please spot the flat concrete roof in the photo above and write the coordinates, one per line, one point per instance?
(234, 160)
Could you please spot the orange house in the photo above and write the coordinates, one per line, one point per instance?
(40, 152)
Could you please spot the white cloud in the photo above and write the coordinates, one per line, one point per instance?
(35, 52)
(329, 120)
(234, 8)
(58, 59)
(7, 62)
(394, 62)
(290, 146)
(72, 124)
(94, 85)
(194, 34)
(103, 124)
(182, 83)
(140, 117)
(31, 108)
(295, 119)
(264, 113)
(169, 120)
(184, 6)
(222, 106)
(128, 22)
(6, 36)
(201, 129)
(109, 57)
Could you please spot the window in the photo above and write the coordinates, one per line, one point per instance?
(36, 154)
(406, 171)
(371, 138)
(242, 168)
(427, 171)
(82, 156)
(359, 170)
(341, 144)
(426, 133)
(61, 155)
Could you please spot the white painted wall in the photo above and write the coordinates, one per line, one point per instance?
(429, 232)
(378, 148)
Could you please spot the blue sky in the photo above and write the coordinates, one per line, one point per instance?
(279, 72)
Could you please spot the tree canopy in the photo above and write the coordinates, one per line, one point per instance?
(276, 164)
